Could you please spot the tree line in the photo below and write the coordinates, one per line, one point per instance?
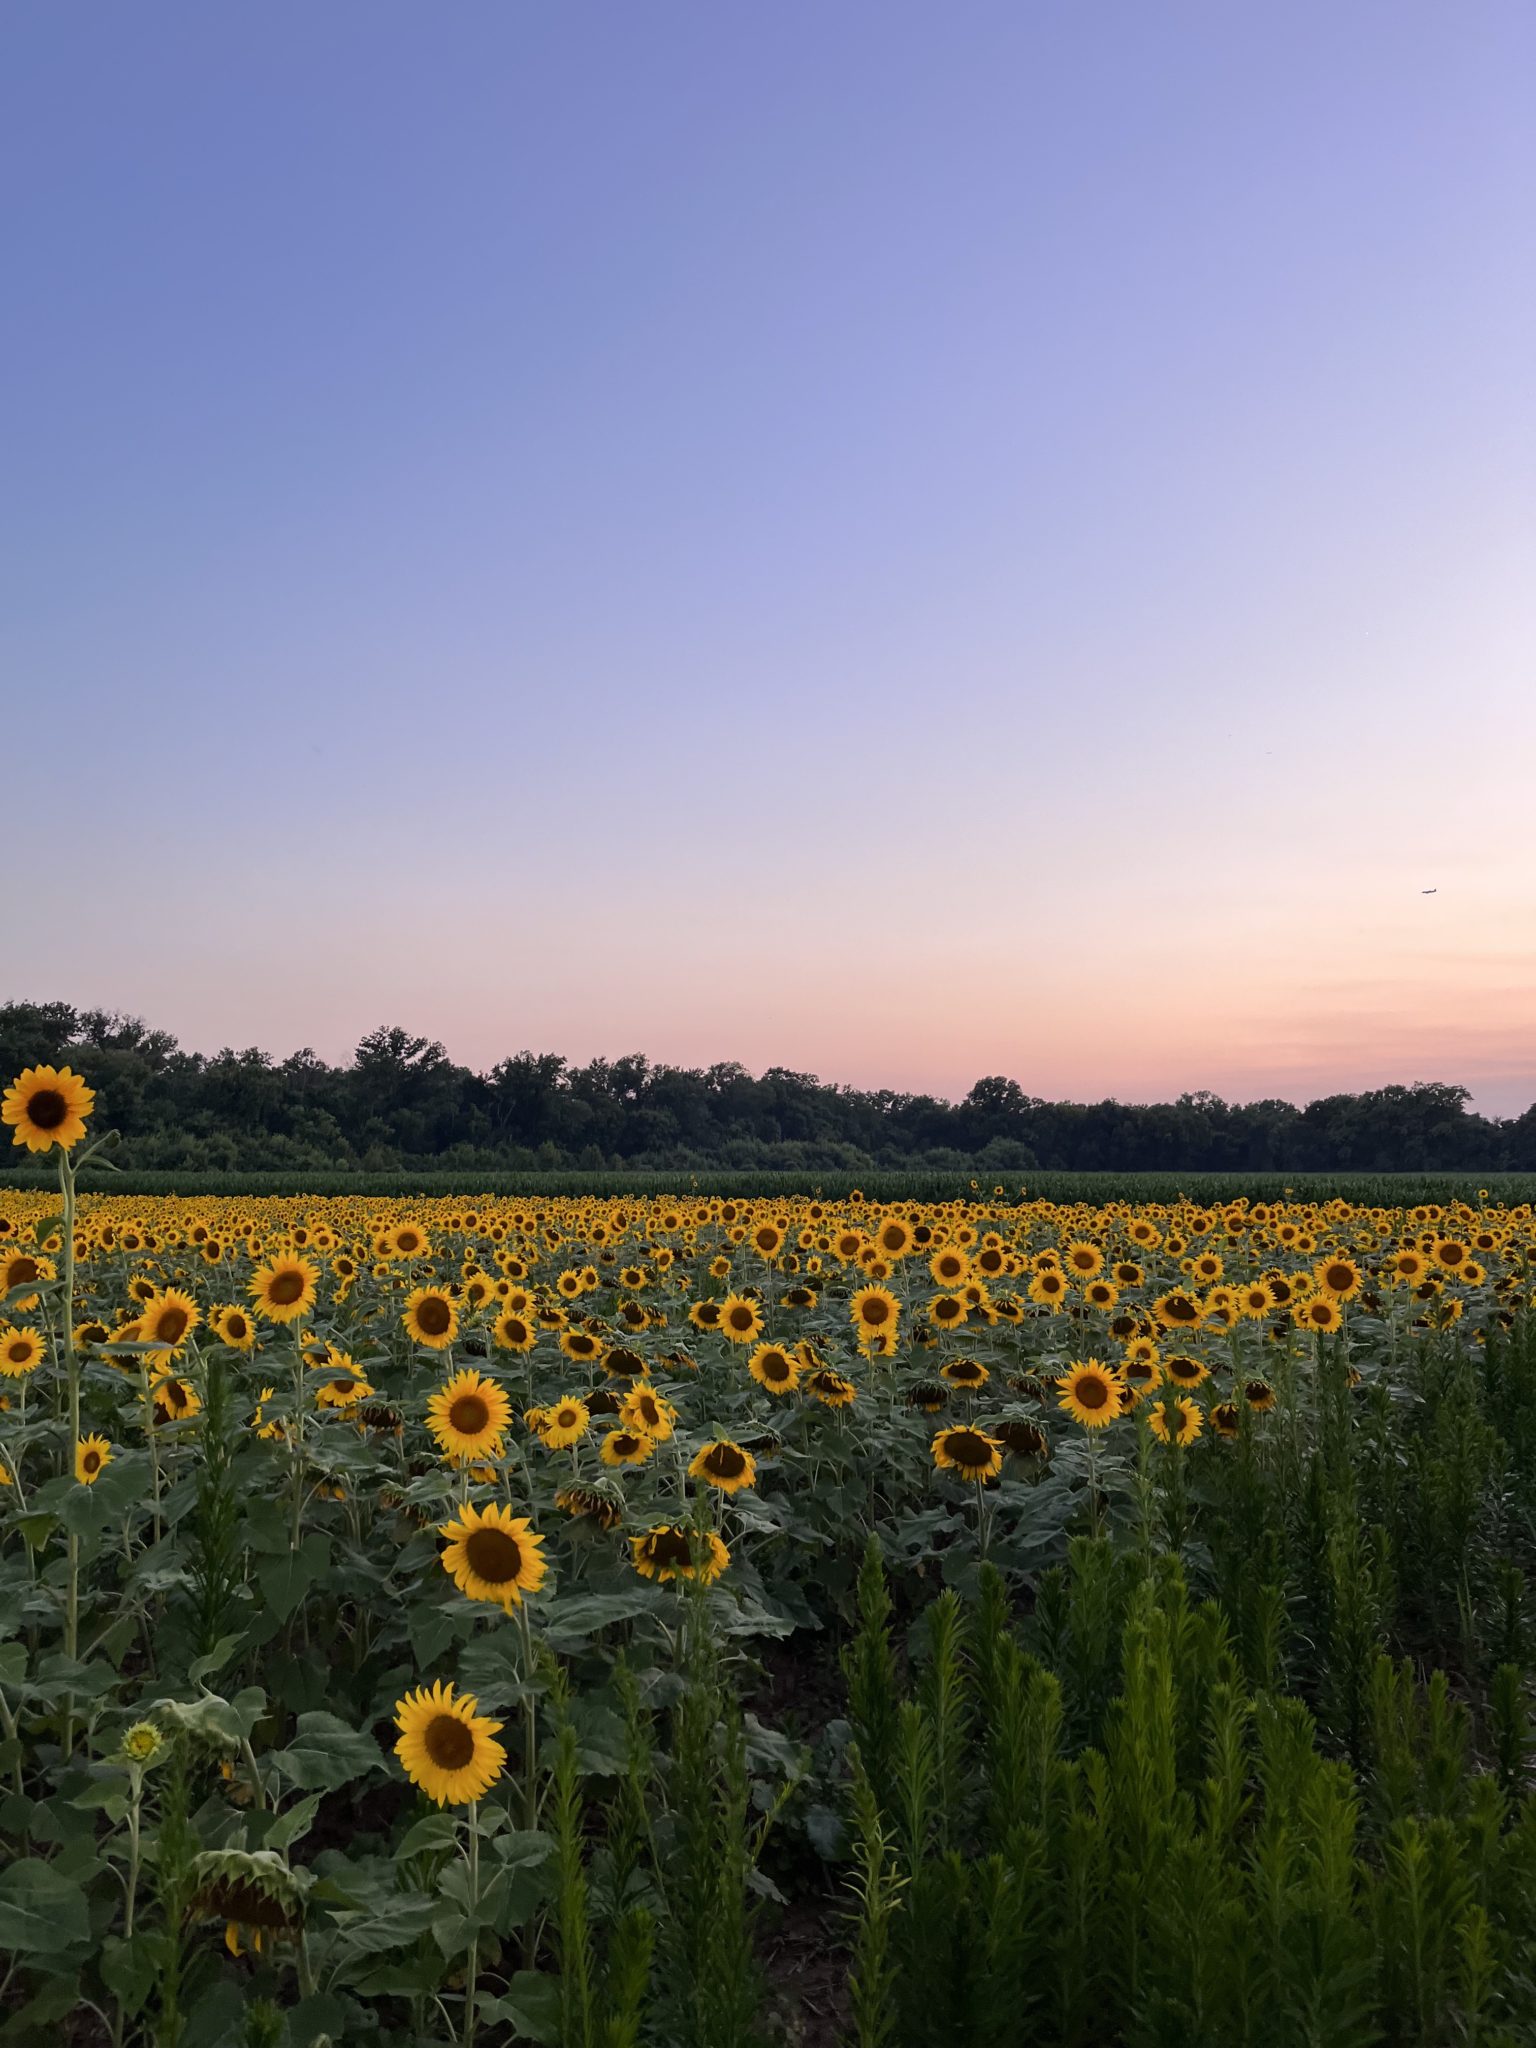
(402, 1102)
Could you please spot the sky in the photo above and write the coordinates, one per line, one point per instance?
(904, 543)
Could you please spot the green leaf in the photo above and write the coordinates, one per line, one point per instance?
(437, 1832)
(41, 1911)
(288, 1827)
(128, 1970)
(37, 1528)
(215, 1660)
(284, 1580)
(393, 1923)
(572, 1621)
(530, 2005)
(325, 1753)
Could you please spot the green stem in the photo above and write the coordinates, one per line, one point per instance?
(472, 1971)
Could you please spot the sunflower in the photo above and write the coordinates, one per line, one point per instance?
(1185, 1371)
(929, 1397)
(1178, 1310)
(668, 1552)
(1090, 1392)
(1021, 1439)
(430, 1317)
(740, 1318)
(626, 1447)
(620, 1363)
(894, 1238)
(581, 1346)
(1177, 1421)
(1224, 1419)
(493, 1555)
(1084, 1260)
(447, 1748)
(173, 1399)
(875, 1311)
(512, 1331)
(725, 1465)
(232, 1326)
(965, 1372)
(1101, 1294)
(646, 1410)
(93, 1454)
(590, 1503)
(284, 1288)
(970, 1452)
(947, 1311)
(1450, 1253)
(1322, 1313)
(1049, 1288)
(767, 1240)
(169, 1319)
(468, 1415)
(21, 1352)
(1260, 1396)
(48, 1106)
(772, 1367)
(832, 1389)
(1339, 1278)
(20, 1269)
(407, 1241)
(564, 1424)
(345, 1389)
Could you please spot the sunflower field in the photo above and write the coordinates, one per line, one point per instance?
(662, 1621)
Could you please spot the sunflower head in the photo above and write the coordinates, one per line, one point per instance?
(445, 1747)
(47, 1106)
(494, 1555)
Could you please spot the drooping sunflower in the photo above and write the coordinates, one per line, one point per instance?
(1260, 1396)
(431, 1317)
(724, 1465)
(1176, 1419)
(564, 1424)
(1089, 1390)
(626, 1447)
(93, 1454)
(47, 1106)
(831, 1388)
(1224, 1419)
(772, 1367)
(929, 1397)
(468, 1415)
(592, 1503)
(21, 1352)
(493, 1555)
(965, 1372)
(740, 1318)
(875, 1312)
(1185, 1371)
(232, 1326)
(1021, 1439)
(284, 1288)
(669, 1552)
(645, 1409)
(172, 1399)
(970, 1452)
(445, 1747)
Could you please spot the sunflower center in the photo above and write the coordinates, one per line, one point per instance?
(625, 1445)
(19, 1353)
(1091, 1391)
(285, 1288)
(725, 1462)
(47, 1109)
(432, 1316)
(493, 1555)
(91, 1462)
(171, 1325)
(741, 1319)
(969, 1447)
(669, 1547)
(449, 1743)
(21, 1269)
(469, 1414)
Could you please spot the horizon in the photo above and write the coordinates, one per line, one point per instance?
(894, 547)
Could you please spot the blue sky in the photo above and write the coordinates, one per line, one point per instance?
(903, 543)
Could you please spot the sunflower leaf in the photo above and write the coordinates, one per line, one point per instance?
(325, 1753)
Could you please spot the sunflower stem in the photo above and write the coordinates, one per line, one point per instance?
(472, 1969)
(72, 1370)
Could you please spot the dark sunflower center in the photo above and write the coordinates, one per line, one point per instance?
(669, 1548)
(515, 1329)
(235, 1326)
(171, 1325)
(285, 1288)
(969, 1448)
(876, 1311)
(19, 1353)
(741, 1319)
(625, 1445)
(776, 1366)
(725, 1462)
(493, 1555)
(407, 1240)
(1339, 1276)
(469, 1414)
(432, 1316)
(91, 1462)
(47, 1109)
(449, 1743)
(1092, 1392)
(21, 1269)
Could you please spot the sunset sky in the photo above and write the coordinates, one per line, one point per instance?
(900, 542)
